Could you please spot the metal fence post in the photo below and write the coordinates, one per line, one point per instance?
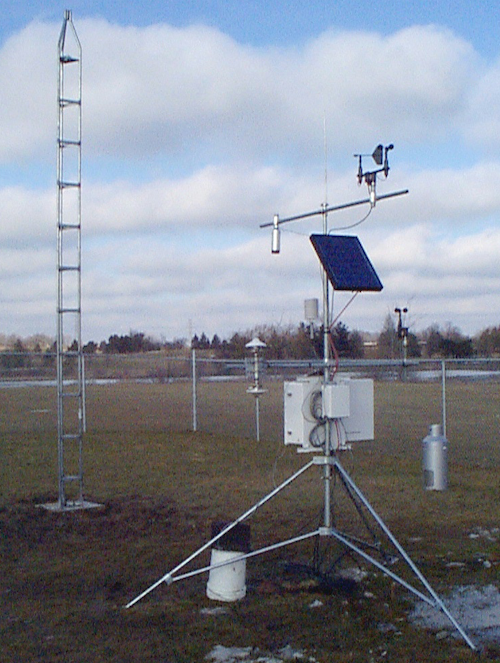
(443, 395)
(193, 373)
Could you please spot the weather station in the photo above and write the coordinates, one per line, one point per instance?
(325, 414)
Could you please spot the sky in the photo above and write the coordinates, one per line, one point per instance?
(202, 120)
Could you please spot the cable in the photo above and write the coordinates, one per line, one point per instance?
(345, 307)
(294, 232)
(335, 353)
(277, 458)
(338, 428)
(353, 225)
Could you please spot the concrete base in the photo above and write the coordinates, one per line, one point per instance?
(70, 506)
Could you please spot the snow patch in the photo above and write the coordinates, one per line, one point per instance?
(221, 654)
(476, 609)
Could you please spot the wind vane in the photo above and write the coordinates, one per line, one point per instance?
(379, 155)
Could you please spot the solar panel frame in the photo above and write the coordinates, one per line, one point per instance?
(346, 264)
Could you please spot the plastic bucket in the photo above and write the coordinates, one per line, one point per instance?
(227, 582)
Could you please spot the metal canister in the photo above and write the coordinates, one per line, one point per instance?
(435, 459)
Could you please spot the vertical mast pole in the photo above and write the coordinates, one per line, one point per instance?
(327, 473)
(327, 516)
(60, 325)
(70, 374)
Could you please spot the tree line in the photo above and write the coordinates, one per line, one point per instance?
(299, 342)
(305, 343)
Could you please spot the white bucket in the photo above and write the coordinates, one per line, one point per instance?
(227, 583)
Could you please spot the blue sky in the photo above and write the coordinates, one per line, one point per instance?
(263, 23)
(203, 119)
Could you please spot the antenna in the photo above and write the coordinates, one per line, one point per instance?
(325, 140)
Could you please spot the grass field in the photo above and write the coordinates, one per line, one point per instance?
(65, 578)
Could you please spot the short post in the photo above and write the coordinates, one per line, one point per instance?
(443, 395)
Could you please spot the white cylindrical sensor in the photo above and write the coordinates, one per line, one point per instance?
(311, 310)
(275, 242)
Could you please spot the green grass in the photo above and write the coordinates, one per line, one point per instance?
(65, 578)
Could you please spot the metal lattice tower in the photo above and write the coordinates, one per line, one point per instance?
(70, 376)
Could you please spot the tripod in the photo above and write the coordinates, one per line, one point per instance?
(331, 466)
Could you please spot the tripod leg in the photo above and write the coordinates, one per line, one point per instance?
(437, 601)
(169, 577)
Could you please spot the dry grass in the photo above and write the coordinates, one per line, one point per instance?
(66, 577)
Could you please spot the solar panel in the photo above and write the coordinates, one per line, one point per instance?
(346, 263)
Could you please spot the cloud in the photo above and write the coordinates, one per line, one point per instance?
(209, 198)
(407, 85)
(26, 261)
(455, 196)
(215, 266)
(194, 90)
(164, 88)
(27, 216)
(28, 112)
(220, 290)
(417, 262)
(191, 140)
(481, 120)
